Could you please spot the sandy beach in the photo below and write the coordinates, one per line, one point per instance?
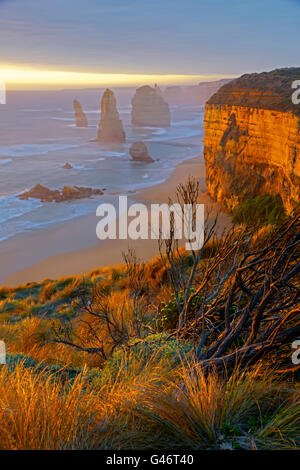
(72, 247)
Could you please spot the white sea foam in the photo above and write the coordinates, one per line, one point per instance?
(5, 161)
(64, 211)
(81, 167)
(34, 110)
(80, 128)
(138, 186)
(96, 159)
(61, 119)
(195, 120)
(86, 111)
(156, 130)
(12, 207)
(114, 154)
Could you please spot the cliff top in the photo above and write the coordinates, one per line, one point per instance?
(267, 90)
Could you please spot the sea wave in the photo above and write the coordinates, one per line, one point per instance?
(52, 214)
(55, 118)
(86, 111)
(114, 154)
(6, 161)
(80, 128)
(31, 150)
(96, 159)
(156, 130)
(34, 110)
(81, 167)
(11, 207)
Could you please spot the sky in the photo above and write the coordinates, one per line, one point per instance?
(52, 43)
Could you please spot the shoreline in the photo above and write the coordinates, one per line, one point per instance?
(72, 248)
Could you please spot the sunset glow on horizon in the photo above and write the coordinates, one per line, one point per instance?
(21, 78)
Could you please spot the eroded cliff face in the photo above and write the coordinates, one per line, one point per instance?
(195, 94)
(252, 140)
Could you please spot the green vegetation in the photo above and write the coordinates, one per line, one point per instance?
(260, 210)
(169, 313)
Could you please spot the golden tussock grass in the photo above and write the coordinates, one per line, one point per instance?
(147, 404)
(37, 412)
(196, 411)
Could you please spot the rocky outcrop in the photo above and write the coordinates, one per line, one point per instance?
(139, 153)
(149, 108)
(252, 139)
(67, 193)
(80, 117)
(67, 166)
(110, 127)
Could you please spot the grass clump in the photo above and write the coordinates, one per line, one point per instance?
(193, 410)
(37, 412)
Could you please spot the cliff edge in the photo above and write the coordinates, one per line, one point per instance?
(252, 139)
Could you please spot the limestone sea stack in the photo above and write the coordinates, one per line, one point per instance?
(139, 153)
(110, 126)
(80, 117)
(149, 108)
(252, 139)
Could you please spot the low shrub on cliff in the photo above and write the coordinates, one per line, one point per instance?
(261, 210)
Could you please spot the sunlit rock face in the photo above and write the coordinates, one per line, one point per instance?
(139, 153)
(67, 193)
(110, 126)
(252, 139)
(80, 117)
(149, 108)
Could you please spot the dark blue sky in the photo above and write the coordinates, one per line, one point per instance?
(152, 36)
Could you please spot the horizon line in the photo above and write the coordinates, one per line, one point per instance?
(22, 79)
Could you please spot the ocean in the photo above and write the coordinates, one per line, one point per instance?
(38, 136)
